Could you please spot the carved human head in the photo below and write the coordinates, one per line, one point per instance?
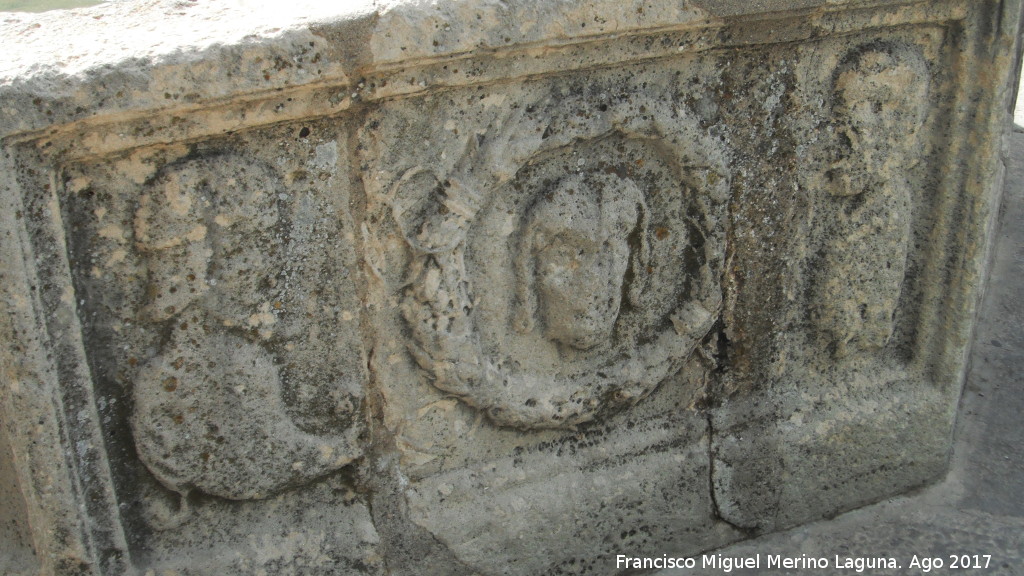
(581, 237)
(880, 100)
(207, 227)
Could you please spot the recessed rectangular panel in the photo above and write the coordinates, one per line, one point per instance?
(219, 295)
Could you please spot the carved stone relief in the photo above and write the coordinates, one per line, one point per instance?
(216, 237)
(551, 253)
(216, 290)
(545, 290)
(651, 282)
(866, 188)
(219, 295)
(880, 100)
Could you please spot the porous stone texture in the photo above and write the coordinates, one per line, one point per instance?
(482, 287)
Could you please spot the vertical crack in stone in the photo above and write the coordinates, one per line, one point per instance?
(714, 387)
(711, 481)
(407, 548)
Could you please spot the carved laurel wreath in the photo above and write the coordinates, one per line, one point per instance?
(440, 309)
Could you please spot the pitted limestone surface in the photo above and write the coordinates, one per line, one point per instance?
(598, 261)
(502, 288)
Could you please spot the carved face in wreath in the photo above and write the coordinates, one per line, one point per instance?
(550, 305)
(578, 240)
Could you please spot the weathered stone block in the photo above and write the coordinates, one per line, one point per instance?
(484, 288)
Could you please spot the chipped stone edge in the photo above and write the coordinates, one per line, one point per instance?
(127, 102)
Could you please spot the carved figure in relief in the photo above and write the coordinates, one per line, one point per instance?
(880, 95)
(575, 257)
(580, 248)
(208, 409)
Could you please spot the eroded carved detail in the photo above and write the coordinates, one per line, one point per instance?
(574, 258)
(880, 99)
(208, 411)
(545, 293)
